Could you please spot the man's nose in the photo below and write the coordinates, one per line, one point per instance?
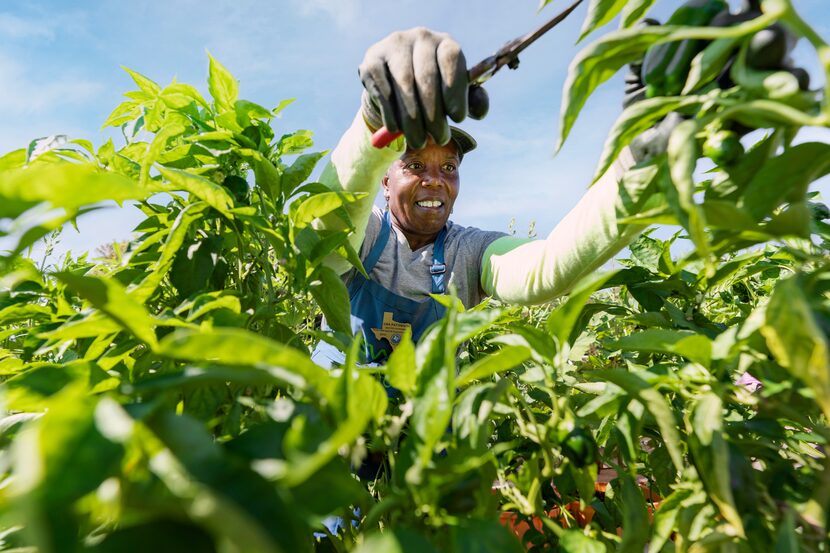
(431, 177)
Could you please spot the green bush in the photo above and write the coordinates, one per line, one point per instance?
(164, 399)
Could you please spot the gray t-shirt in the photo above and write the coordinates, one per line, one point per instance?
(406, 272)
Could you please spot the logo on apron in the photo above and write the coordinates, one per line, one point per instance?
(390, 330)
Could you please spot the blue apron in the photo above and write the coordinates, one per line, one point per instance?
(383, 315)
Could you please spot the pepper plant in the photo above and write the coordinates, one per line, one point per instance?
(164, 398)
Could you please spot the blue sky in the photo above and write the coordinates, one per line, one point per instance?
(60, 73)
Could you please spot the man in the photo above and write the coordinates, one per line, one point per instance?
(413, 81)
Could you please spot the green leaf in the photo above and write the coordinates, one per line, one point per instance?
(600, 60)
(785, 177)
(67, 186)
(787, 539)
(435, 394)
(694, 347)
(635, 524)
(159, 536)
(504, 359)
(794, 220)
(796, 340)
(709, 63)
(724, 214)
(277, 111)
(95, 324)
(299, 171)
(206, 374)
(19, 312)
(539, 342)
(401, 369)
(226, 138)
(246, 111)
(63, 455)
(635, 10)
(206, 190)
(194, 265)
(13, 160)
(560, 323)
(111, 298)
(710, 453)
(574, 541)
(159, 269)
(318, 205)
(483, 536)
(181, 95)
(155, 148)
(294, 143)
(397, 540)
(356, 399)
(333, 298)
(30, 390)
(329, 490)
(234, 347)
(656, 404)
(665, 518)
(365, 401)
(599, 13)
(233, 500)
(146, 85)
(683, 153)
(268, 178)
(473, 322)
(222, 86)
(206, 303)
(636, 119)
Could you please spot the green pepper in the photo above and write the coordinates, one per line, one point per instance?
(768, 48)
(723, 147)
(237, 186)
(580, 447)
(666, 65)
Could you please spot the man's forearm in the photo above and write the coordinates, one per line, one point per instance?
(356, 166)
(521, 271)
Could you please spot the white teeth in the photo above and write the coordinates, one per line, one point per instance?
(430, 203)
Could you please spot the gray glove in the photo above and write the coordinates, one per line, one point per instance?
(654, 141)
(413, 81)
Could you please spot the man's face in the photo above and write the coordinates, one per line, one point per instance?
(421, 188)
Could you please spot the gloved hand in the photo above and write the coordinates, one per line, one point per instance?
(413, 80)
(768, 49)
(655, 140)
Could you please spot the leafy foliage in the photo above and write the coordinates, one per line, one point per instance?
(164, 397)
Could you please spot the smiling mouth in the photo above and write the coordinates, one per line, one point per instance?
(432, 204)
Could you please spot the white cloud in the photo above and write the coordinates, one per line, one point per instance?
(39, 105)
(14, 27)
(33, 94)
(343, 12)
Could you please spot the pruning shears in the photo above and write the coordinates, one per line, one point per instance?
(482, 71)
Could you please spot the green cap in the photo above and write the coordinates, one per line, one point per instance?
(463, 141)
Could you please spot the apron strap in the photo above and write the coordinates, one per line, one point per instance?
(436, 270)
(438, 267)
(380, 243)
